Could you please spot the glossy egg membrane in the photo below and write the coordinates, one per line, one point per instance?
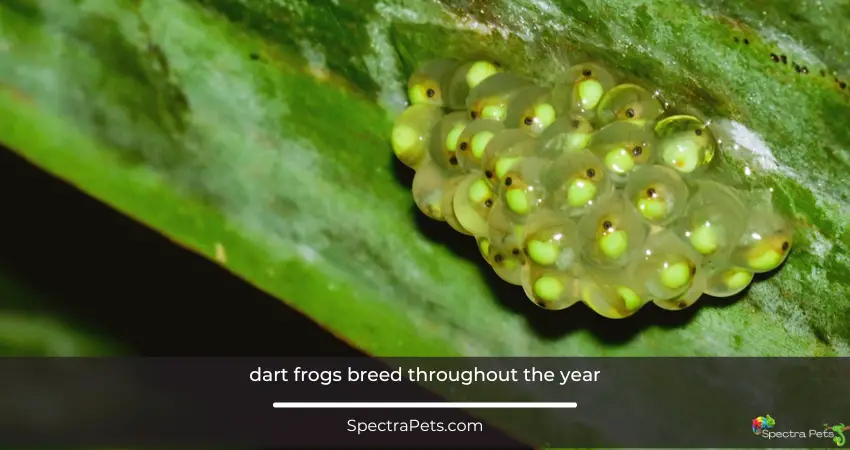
(658, 194)
(445, 139)
(666, 267)
(713, 221)
(584, 86)
(611, 233)
(628, 103)
(464, 78)
(502, 152)
(429, 184)
(473, 201)
(428, 83)
(532, 110)
(623, 147)
(522, 189)
(473, 141)
(411, 135)
(505, 244)
(611, 293)
(765, 242)
(588, 191)
(576, 182)
(490, 99)
(565, 135)
(685, 144)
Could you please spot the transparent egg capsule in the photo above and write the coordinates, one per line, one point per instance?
(611, 295)
(533, 110)
(666, 266)
(630, 103)
(585, 86)
(465, 78)
(551, 241)
(427, 82)
(473, 202)
(550, 288)
(687, 298)
(713, 220)
(473, 141)
(505, 244)
(444, 141)
(429, 184)
(623, 147)
(503, 151)
(658, 194)
(728, 281)
(447, 204)
(565, 135)
(576, 182)
(507, 271)
(411, 136)
(685, 143)
(610, 233)
(765, 242)
(522, 189)
(490, 99)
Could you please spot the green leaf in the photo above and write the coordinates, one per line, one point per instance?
(256, 133)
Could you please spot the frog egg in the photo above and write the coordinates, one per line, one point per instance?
(504, 150)
(611, 233)
(533, 110)
(444, 141)
(687, 298)
(429, 184)
(585, 86)
(623, 147)
(658, 194)
(666, 267)
(550, 240)
(565, 135)
(473, 202)
(612, 296)
(411, 136)
(576, 182)
(728, 281)
(466, 77)
(507, 272)
(550, 288)
(473, 141)
(713, 220)
(765, 242)
(447, 204)
(686, 143)
(427, 82)
(522, 189)
(630, 103)
(490, 99)
(505, 244)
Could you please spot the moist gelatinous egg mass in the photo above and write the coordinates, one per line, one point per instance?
(586, 190)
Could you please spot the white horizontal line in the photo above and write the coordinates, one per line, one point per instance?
(425, 405)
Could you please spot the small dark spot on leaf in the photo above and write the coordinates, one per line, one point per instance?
(607, 225)
(254, 56)
(785, 246)
(822, 73)
(698, 132)
(453, 160)
(774, 57)
(784, 59)
(488, 203)
(681, 305)
(488, 174)
(746, 41)
(515, 252)
(528, 121)
(463, 146)
(498, 258)
(508, 181)
(842, 84)
(736, 39)
(586, 72)
(798, 68)
(805, 70)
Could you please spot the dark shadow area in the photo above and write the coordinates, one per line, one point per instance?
(132, 283)
(557, 324)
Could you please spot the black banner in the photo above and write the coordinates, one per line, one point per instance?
(564, 402)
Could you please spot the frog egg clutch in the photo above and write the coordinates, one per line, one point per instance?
(590, 190)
